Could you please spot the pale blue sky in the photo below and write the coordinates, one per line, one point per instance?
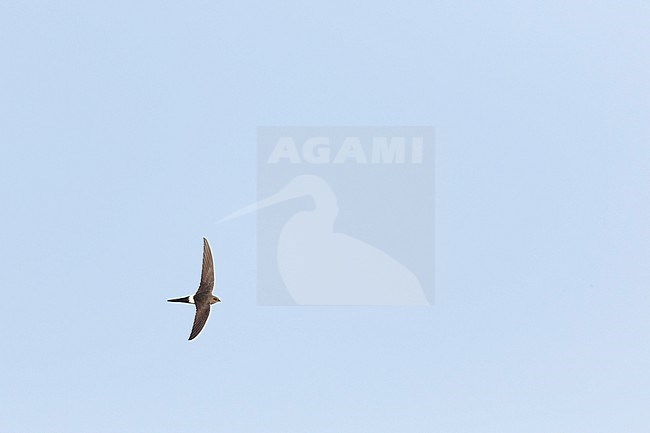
(127, 129)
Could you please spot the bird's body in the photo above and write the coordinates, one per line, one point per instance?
(203, 298)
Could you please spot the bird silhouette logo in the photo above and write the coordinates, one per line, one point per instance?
(320, 266)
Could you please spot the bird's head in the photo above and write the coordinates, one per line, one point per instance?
(215, 300)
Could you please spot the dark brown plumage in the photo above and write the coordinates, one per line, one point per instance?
(203, 297)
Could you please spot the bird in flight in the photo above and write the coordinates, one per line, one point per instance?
(203, 297)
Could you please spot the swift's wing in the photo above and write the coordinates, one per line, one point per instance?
(207, 272)
(201, 316)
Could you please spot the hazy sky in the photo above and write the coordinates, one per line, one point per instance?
(127, 129)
